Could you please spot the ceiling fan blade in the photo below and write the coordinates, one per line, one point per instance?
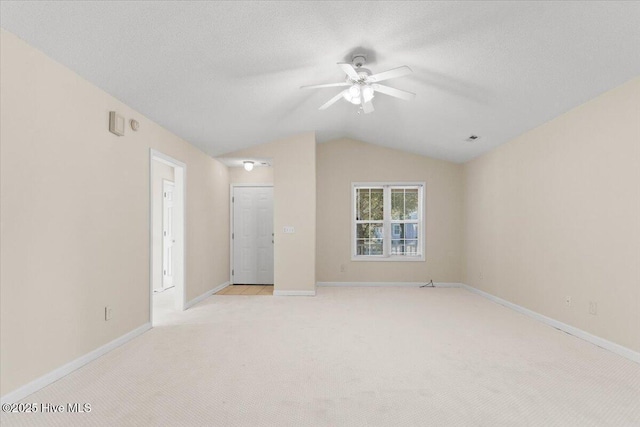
(333, 100)
(390, 74)
(367, 107)
(397, 93)
(348, 68)
(326, 85)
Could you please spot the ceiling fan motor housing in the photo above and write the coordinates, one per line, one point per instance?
(358, 60)
(363, 74)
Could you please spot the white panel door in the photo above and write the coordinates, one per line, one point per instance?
(253, 235)
(168, 238)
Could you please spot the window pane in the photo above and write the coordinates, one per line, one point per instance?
(411, 231)
(411, 203)
(363, 204)
(375, 247)
(397, 234)
(396, 231)
(369, 247)
(397, 204)
(411, 247)
(372, 230)
(377, 204)
(408, 230)
(396, 247)
(404, 238)
(362, 231)
(377, 230)
(404, 247)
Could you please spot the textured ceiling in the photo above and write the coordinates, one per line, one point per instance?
(226, 75)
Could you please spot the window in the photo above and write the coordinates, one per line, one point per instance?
(388, 222)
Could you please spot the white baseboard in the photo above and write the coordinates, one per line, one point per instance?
(206, 295)
(56, 374)
(572, 330)
(388, 284)
(294, 293)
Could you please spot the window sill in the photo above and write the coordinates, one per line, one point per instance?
(376, 258)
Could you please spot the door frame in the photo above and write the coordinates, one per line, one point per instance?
(180, 193)
(231, 191)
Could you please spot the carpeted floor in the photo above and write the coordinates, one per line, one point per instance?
(350, 357)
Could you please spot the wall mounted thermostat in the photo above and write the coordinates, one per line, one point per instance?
(116, 123)
(135, 125)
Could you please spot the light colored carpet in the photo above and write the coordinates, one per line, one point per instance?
(350, 357)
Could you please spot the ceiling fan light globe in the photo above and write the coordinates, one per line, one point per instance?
(352, 95)
(367, 93)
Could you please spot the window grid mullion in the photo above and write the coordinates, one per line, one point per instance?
(404, 203)
(386, 215)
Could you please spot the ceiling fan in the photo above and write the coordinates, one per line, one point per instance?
(362, 85)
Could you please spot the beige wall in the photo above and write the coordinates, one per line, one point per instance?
(161, 172)
(259, 175)
(556, 213)
(294, 194)
(75, 216)
(344, 161)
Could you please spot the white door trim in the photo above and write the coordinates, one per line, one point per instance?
(231, 188)
(180, 193)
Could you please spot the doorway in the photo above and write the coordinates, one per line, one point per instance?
(252, 235)
(167, 185)
(168, 238)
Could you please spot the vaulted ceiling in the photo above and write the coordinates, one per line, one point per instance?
(226, 75)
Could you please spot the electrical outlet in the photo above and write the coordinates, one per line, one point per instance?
(108, 313)
(593, 308)
(567, 300)
(343, 268)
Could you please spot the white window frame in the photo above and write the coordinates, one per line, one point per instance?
(387, 223)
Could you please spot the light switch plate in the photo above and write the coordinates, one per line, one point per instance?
(289, 229)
